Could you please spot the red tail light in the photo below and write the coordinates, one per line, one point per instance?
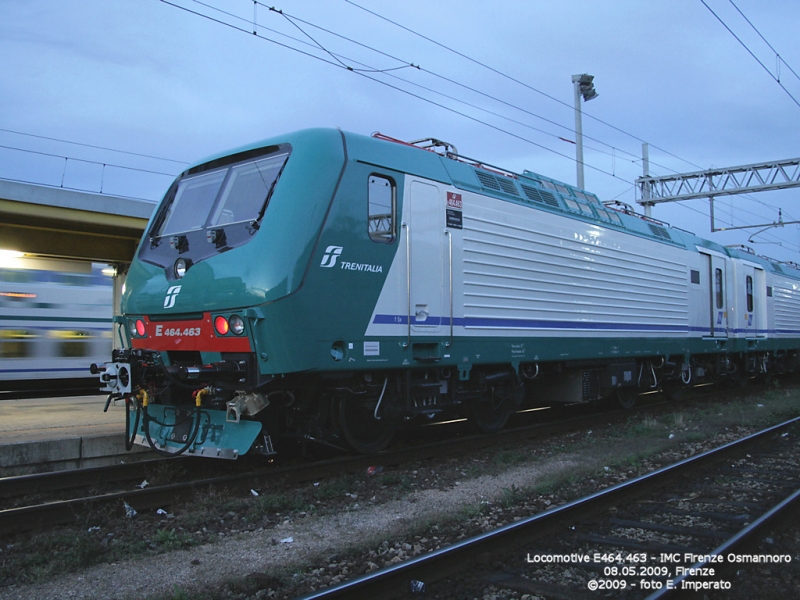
(221, 325)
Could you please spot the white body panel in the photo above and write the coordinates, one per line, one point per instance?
(784, 312)
(520, 271)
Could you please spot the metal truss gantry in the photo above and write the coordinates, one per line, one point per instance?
(762, 177)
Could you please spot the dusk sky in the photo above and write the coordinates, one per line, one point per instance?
(145, 87)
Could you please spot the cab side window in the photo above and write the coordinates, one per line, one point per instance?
(719, 290)
(381, 202)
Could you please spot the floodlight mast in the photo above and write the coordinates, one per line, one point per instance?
(583, 88)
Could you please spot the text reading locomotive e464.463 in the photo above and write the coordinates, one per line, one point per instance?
(332, 286)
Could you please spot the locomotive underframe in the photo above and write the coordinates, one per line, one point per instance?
(187, 403)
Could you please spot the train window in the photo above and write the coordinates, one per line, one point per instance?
(381, 206)
(769, 291)
(72, 344)
(16, 343)
(749, 290)
(192, 203)
(247, 188)
(695, 276)
(229, 194)
(719, 288)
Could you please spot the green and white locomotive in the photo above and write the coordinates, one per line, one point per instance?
(332, 286)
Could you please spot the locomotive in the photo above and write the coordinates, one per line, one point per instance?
(330, 286)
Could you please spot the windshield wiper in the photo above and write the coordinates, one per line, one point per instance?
(256, 223)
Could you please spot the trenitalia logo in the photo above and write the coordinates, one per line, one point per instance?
(331, 254)
(172, 295)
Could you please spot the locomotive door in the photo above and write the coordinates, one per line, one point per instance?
(751, 299)
(719, 295)
(426, 246)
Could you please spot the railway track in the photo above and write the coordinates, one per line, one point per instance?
(690, 526)
(32, 502)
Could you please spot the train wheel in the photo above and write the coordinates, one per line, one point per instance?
(491, 414)
(489, 418)
(363, 432)
(674, 390)
(626, 397)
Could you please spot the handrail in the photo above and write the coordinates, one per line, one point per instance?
(408, 281)
(450, 267)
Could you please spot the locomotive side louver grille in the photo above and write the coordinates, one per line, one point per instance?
(498, 184)
(660, 232)
(540, 196)
(508, 186)
(488, 181)
(591, 384)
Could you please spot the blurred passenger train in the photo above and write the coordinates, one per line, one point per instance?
(52, 324)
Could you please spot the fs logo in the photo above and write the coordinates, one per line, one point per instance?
(331, 254)
(172, 295)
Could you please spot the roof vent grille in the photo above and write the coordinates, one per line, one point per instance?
(497, 184)
(660, 232)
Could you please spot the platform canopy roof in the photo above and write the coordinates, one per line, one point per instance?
(54, 222)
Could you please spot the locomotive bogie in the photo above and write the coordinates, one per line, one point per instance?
(371, 283)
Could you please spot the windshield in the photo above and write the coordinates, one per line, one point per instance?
(234, 193)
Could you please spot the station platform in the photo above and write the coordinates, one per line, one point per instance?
(38, 435)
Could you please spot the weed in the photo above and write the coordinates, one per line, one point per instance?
(470, 511)
(679, 420)
(644, 427)
(169, 539)
(334, 488)
(395, 480)
(509, 457)
(511, 496)
(180, 594)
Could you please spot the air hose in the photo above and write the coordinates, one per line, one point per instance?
(129, 438)
(198, 398)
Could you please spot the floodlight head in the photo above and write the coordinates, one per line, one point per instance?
(586, 86)
(588, 94)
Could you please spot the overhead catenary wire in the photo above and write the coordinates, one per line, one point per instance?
(83, 160)
(779, 58)
(449, 80)
(252, 28)
(406, 63)
(750, 52)
(751, 213)
(426, 93)
(93, 146)
(347, 64)
(366, 73)
(514, 79)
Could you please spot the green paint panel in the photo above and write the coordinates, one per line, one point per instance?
(216, 437)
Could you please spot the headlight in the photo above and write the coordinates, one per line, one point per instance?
(137, 327)
(237, 325)
(180, 268)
